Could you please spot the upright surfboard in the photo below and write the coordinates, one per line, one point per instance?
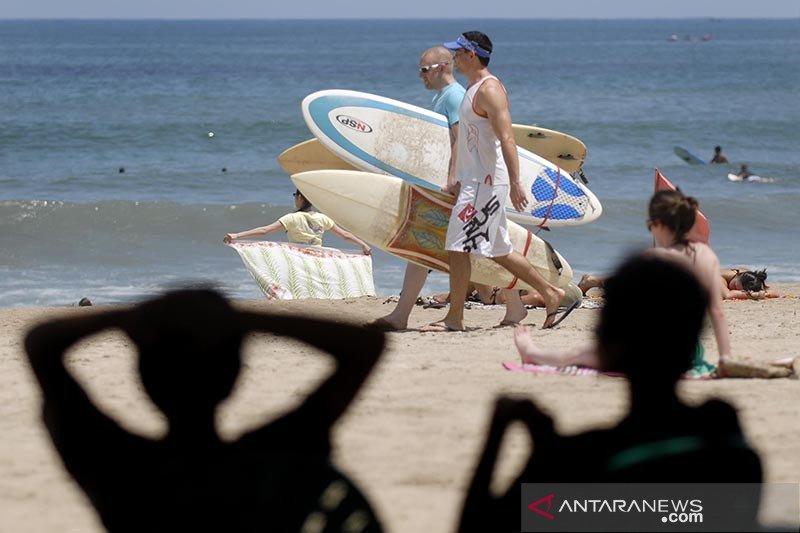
(562, 150)
(410, 222)
(386, 136)
(701, 230)
(688, 156)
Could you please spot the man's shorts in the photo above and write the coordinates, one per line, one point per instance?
(478, 222)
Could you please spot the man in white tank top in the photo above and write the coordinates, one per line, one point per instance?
(486, 174)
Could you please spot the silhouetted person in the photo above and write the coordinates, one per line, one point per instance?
(661, 440)
(275, 478)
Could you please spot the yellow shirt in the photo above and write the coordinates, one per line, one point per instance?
(306, 227)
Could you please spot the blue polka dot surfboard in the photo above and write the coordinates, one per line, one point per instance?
(385, 136)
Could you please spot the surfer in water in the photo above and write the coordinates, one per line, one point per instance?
(671, 216)
(436, 73)
(304, 226)
(744, 173)
(719, 157)
(486, 171)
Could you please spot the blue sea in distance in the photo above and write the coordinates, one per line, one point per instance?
(80, 99)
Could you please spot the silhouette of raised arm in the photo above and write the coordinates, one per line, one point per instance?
(355, 349)
(481, 509)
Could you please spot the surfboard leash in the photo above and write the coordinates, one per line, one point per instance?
(552, 200)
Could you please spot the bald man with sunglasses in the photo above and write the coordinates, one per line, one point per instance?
(436, 73)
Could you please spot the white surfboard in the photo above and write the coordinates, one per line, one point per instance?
(564, 151)
(751, 177)
(377, 134)
(410, 222)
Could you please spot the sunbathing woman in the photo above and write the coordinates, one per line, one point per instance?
(304, 226)
(737, 284)
(671, 215)
(743, 284)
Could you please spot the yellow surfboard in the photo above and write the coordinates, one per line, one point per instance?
(561, 149)
(564, 151)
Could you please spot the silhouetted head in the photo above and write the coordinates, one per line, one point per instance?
(189, 358)
(651, 340)
(673, 211)
(750, 281)
(743, 168)
(301, 202)
(717, 149)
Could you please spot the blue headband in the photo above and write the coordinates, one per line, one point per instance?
(466, 44)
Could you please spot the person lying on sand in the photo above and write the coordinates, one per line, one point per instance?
(740, 283)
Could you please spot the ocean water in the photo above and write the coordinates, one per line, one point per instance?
(80, 99)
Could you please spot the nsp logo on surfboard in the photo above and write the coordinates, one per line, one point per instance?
(354, 123)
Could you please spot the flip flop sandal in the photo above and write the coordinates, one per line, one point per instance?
(566, 313)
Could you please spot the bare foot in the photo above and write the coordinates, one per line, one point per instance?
(513, 317)
(528, 351)
(745, 368)
(441, 327)
(589, 282)
(387, 323)
(552, 298)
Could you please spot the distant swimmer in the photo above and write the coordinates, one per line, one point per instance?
(719, 157)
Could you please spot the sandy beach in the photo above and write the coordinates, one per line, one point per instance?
(412, 437)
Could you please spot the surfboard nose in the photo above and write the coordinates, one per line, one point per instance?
(364, 203)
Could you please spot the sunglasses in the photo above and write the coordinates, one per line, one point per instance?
(296, 194)
(649, 223)
(425, 69)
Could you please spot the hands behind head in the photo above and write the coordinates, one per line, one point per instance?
(508, 409)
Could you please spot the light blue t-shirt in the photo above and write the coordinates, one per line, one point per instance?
(448, 100)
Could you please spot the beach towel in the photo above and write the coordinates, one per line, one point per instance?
(575, 370)
(286, 271)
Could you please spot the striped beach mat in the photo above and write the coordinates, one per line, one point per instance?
(287, 271)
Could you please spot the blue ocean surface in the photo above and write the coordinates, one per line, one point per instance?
(82, 99)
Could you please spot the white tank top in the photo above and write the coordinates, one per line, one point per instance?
(480, 158)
